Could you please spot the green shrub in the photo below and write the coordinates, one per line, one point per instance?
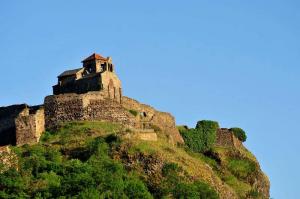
(253, 193)
(136, 189)
(207, 125)
(82, 166)
(51, 172)
(194, 190)
(133, 112)
(239, 134)
(201, 138)
(182, 128)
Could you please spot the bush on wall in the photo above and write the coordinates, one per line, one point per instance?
(239, 133)
(201, 138)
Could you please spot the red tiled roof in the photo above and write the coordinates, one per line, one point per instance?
(94, 57)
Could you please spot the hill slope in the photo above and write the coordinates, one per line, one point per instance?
(97, 160)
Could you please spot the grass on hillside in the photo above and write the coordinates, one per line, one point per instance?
(79, 131)
(75, 162)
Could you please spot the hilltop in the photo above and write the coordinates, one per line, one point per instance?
(88, 140)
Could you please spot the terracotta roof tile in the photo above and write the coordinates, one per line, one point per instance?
(94, 57)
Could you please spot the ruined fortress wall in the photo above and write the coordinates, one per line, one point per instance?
(21, 124)
(7, 122)
(109, 110)
(29, 128)
(147, 114)
(89, 106)
(62, 108)
(226, 138)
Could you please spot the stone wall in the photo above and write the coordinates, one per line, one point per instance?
(148, 117)
(226, 138)
(30, 127)
(111, 85)
(99, 107)
(21, 124)
(7, 122)
(89, 106)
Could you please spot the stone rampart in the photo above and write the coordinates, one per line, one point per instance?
(98, 107)
(148, 117)
(21, 124)
(89, 106)
(30, 127)
(226, 138)
(7, 122)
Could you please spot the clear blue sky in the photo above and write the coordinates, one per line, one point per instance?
(236, 62)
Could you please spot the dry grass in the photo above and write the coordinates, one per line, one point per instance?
(192, 163)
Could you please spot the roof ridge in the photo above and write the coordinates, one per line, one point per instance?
(94, 56)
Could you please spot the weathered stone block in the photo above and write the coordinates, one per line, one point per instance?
(226, 138)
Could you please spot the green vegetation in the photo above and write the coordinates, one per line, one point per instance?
(175, 183)
(44, 172)
(240, 187)
(253, 193)
(93, 160)
(241, 168)
(133, 112)
(79, 160)
(239, 133)
(201, 138)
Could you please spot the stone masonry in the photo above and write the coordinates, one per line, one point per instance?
(89, 106)
(29, 127)
(7, 123)
(90, 93)
(96, 74)
(95, 106)
(21, 124)
(226, 138)
(148, 118)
